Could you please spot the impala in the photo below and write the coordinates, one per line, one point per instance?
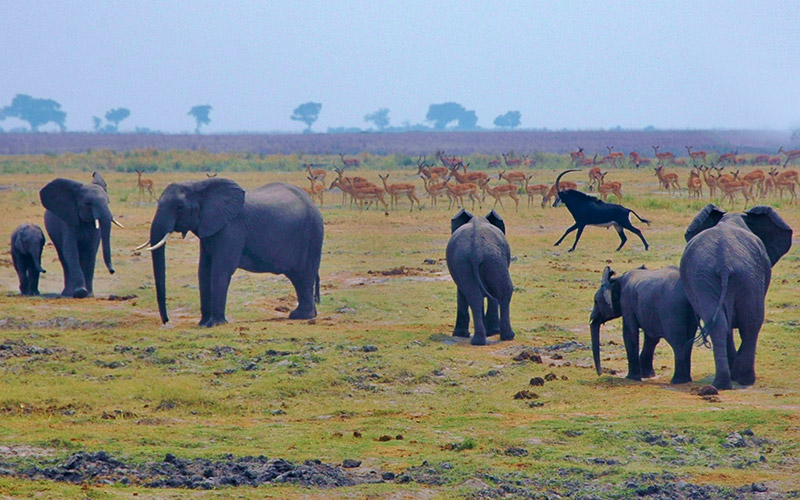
(730, 158)
(540, 189)
(761, 160)
(145, 184)
(458, 191)
(316, 191)
(756, 178)
(498, 192)
(369, 194)
(732, 187)
(669, 180)
(606, 188)
(638, 159)
(575, 156)
(434, 189)
(792, 154)
(447, 161)
(697, 155)
(662, 157)
(395, 190)
(512, 177)
(350, 162)
(553, 191)
(695, 184)
(594, 177)
(710, 180)
(511, 162)
(467, 177)
(317, 173)
(493, 163)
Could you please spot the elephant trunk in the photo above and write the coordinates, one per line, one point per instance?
(105, 239)
(158, 231)
(37, 259)
(595, 329)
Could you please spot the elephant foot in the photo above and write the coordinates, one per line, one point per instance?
(492, 331)
(211, 322)
(80, 293)
(461, 333)
(680, 379)
(745, 377)
(509, 335)
(478, 340)
(648, 373)
(722, 383)
(306, 313)
(635, 377)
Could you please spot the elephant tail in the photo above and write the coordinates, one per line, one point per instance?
(707, 326)
(479, 281)
(316, 290)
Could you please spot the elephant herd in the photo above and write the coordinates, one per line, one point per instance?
(722, 280)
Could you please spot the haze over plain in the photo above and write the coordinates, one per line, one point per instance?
(577, 65)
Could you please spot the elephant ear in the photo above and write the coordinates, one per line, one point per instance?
(776, 234)
(708, 217)
(461, 218)
(60, 196)
(497, 221)
(98, 179)
(607, 274)
(220, 201)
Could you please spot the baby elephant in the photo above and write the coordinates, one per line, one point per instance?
(654, 301)
(27, 242)
(478, 256)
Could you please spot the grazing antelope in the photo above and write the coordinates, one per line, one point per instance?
(350, 162)
(729, 158)
(540, 189)
(145, 184)
(612, 157)
(695, 184)
(761, 160)
(498, 192)
(697, 155)
(434, 190)
(458, 191)
(775, 160)
(662, 157)
(517, 178)
(395, 190)
(493, 163)
(638, 159)
(791, 155)
(669, 180)
(317, 173)
(576, 156)
(594, 177)
(606, 188)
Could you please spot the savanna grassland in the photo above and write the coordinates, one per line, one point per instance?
(376, 377)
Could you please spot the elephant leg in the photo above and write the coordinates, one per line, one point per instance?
(646, 357)
(74, 284)
(204, 281)
(720, 333)
(22, 273)
(744, 367)
(682, 350)
(304, 289)
(491, 318)
(506, 333)
(87, 255)
(219, 283)
(33, 282)
(462, 317)
(630, 335)
(475, 301)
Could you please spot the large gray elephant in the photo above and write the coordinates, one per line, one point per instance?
(726, 269)
(478, 257)
(272, 229)
(77, 220)
(653, 300)
(27, 242)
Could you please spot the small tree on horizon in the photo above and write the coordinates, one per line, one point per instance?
(200, 114)
(36, 112)
(115, 116)
(509, 120)
(443, 114)
(380, 118)
(307, 113)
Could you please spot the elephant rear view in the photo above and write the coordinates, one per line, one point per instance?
(726, 270)
(27, 242)
(272, 229)
(478, 257)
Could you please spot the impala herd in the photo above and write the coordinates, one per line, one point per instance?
(454, 181)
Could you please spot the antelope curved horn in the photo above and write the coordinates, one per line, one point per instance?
(558, 179)
(160, 243)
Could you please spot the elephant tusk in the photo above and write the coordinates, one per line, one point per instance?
(146, 243)
(97, 223)
(160, 243)
(117, 223)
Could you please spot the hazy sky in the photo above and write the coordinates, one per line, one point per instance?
(562, 64)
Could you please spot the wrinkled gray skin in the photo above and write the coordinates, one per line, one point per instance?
(478, 257)
(654, 301)
(272, 229)
(27, 242)
(73, 212)
(725, 270)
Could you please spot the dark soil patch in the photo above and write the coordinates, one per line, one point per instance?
(18, 348)
(62, 323)
(399, 271)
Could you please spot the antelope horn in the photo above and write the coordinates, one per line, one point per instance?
(558, 179)
(160, 243)
(117, 223)
(146, 243)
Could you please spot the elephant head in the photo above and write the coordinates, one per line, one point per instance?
(81, 204)
(606, 307)
(762, 221)
(202, 207)
(29, 240)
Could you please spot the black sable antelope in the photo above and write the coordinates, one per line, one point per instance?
(589, 211)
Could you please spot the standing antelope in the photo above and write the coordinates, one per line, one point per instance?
(594, 177)
(791, 155)
(466, 177)
(316, 191)
(498, 192)
(493, 163)
(349, 162)
(540, 189)
(317, 173)
(730, 158)
(695, 184)
(662, 157)
(756, 178)
(606, 188)
(669, 180)
(512, 177)
(395, 190)
(511, 162)
(709, 179)
(638, 159)
(434, 190)
(731, 187)
(145, 184)
(701, 155)
(578, 155)
(458, 191)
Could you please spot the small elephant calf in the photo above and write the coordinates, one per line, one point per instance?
(478, 257)
(27, 242)
(654, 301)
